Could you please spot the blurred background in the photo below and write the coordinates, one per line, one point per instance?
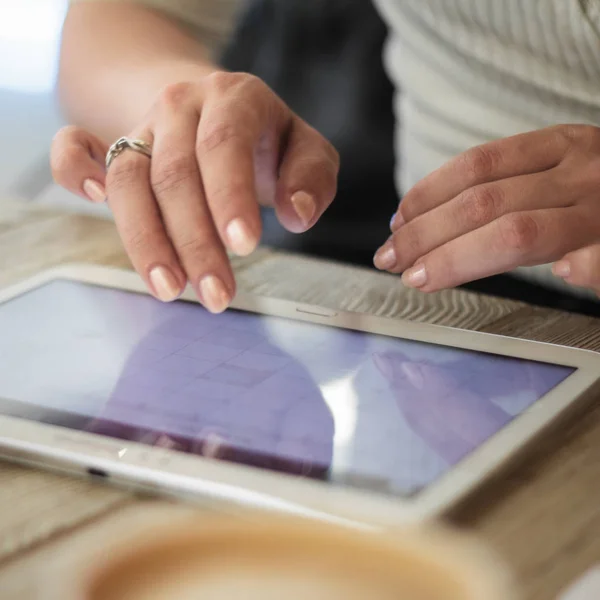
(29, 115)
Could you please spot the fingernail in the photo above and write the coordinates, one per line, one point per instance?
(214, 294)
(385, 258)
(240, 239)
(415, 277)
(94, 191)
(164, 283)
(305, 207)
(397, 220)
(562, 268)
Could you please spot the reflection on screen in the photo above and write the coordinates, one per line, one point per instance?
(353, 408)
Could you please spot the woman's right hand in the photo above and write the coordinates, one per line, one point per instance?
(221, 147)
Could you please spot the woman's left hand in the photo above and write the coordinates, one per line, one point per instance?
(525, 200)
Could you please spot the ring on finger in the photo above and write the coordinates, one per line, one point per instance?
(125, 143)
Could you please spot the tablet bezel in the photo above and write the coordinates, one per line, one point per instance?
(195, 477)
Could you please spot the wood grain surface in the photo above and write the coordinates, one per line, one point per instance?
(542, 517)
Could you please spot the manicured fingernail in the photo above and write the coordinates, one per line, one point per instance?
(214, 294)
(397, 220)
(385, 258)
(562, 268)
(305, 206)
(165, 284)
(240, 238)
(415, 276)
(94, 191)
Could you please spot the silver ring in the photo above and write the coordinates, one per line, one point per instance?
(123, 144)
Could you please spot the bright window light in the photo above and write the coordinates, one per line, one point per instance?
(29, 43)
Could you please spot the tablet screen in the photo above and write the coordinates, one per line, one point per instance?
(352, 408)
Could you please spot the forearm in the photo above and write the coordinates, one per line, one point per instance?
(115, 58)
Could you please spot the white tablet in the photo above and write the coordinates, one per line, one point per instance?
(276, 405)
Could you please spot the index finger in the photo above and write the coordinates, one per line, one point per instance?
(517, 239)
(521, 154)
(225, 151)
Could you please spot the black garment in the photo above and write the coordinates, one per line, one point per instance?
(324, 59)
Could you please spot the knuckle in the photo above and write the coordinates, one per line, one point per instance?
(221, 80)
(413, 202)
(196, 250)
(518, 232)
(315, 167)
(332, 154)
(141, 242)
(171, 173)
(224, 81)
(251, 83)
(174, 95)
(480, 162)
(218, 134)
(410, 244)
(585, 136)
(126, 168)
(311, 142)
(481, 204)
(591, 172)
(401, 211)
(247, 96)
(201, 253)
(315, 174)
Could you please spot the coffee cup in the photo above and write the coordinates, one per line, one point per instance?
(273, 558)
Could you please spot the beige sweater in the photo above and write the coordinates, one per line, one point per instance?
(466, 71)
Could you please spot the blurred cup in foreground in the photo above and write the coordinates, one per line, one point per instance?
(268, 559)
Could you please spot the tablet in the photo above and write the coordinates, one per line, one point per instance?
(273, 404)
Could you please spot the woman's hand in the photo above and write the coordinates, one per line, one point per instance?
(221, 147)
(525, 200)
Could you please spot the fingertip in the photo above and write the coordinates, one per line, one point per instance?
(385, 258)
(165, 284)
(297, 211)
(304, 206)
(562, 269)
(307, 181)
(241, 239)
(95, 191)
(214, 294)
(415, 277)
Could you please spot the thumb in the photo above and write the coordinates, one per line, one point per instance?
(77, 163)
(307, 178)
(581, 268)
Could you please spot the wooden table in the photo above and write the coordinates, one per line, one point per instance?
(543, 517)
